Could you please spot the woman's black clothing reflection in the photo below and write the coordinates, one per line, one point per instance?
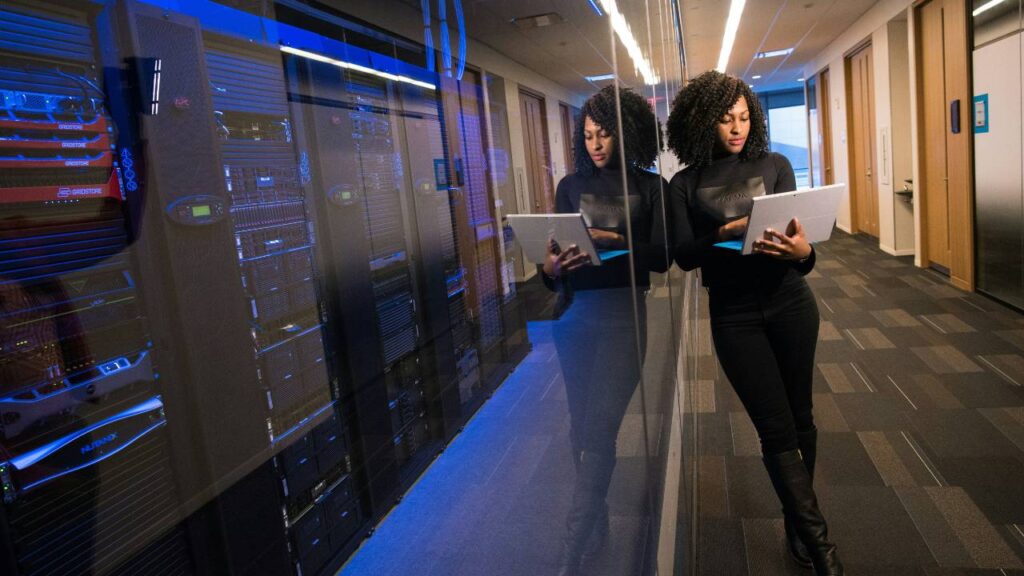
(596, 337)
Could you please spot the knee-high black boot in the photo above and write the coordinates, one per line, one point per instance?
(808, 442)
(792, 483)
(588, 501)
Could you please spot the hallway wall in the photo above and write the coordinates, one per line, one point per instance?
(900, 135)
(873, 25)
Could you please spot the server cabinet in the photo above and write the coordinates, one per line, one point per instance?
(231, 248)
(349, 131)
(87, 464)
(275, 239)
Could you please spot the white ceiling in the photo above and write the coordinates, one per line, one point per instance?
(578, 44)
(808, 26)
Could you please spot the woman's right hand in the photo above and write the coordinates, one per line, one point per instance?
(733, 229)
(560, 261)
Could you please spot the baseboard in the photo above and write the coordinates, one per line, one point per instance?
(894, 252)
(844, 228)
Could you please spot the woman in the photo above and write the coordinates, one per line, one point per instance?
(764, 318)
(596, 335)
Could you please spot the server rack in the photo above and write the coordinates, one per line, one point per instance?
(348, 131)
(316, 281)
(276, 249)
(86, 466)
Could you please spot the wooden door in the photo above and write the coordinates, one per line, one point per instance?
(813, 131)
(568, 132)
(934, 186)
(538, 152)
(825, 114)
(863, 176)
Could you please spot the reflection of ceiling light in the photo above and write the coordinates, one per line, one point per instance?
(986, 7)
(774, 53)
(538, 20)
(600, 77)
(799, 79)
(621, 27)
(357, 67)
(595, 7)
(731, 26)
(755, 77)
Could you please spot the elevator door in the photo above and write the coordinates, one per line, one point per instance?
(998, 177)
(862, 146)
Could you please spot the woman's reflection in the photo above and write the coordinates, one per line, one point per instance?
(596, 336)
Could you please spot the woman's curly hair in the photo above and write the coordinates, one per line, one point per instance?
(641, 141)
(696, 111)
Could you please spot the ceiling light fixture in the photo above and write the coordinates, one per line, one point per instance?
(799, 79)
(773, 53)
(357, 67)
(755, 77)
(986, 7)
(729, 38)
(538, 20)
(621, 27)
(600, 77)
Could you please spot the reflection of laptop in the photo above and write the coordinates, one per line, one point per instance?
(533, 231)
(815, 208)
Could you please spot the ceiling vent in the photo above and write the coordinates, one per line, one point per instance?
(538, 20)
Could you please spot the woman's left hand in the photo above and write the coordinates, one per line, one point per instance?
(792, 245)
(606, 239)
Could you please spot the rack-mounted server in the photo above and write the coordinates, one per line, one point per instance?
(86, 473)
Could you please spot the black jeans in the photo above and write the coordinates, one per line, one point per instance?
(597, 349)
(765, 340)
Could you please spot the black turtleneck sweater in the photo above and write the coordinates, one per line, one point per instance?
(599, 198)
(704, 199)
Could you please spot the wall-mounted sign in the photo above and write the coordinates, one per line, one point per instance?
(981, 114)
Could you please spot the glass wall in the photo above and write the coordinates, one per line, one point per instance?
(261, 296)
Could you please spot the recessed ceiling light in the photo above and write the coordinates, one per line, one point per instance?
(774, 53)
(756, 77)
(986, 7)
(729, 38)
(621, 27)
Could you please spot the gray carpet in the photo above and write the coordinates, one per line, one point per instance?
(920, 407)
